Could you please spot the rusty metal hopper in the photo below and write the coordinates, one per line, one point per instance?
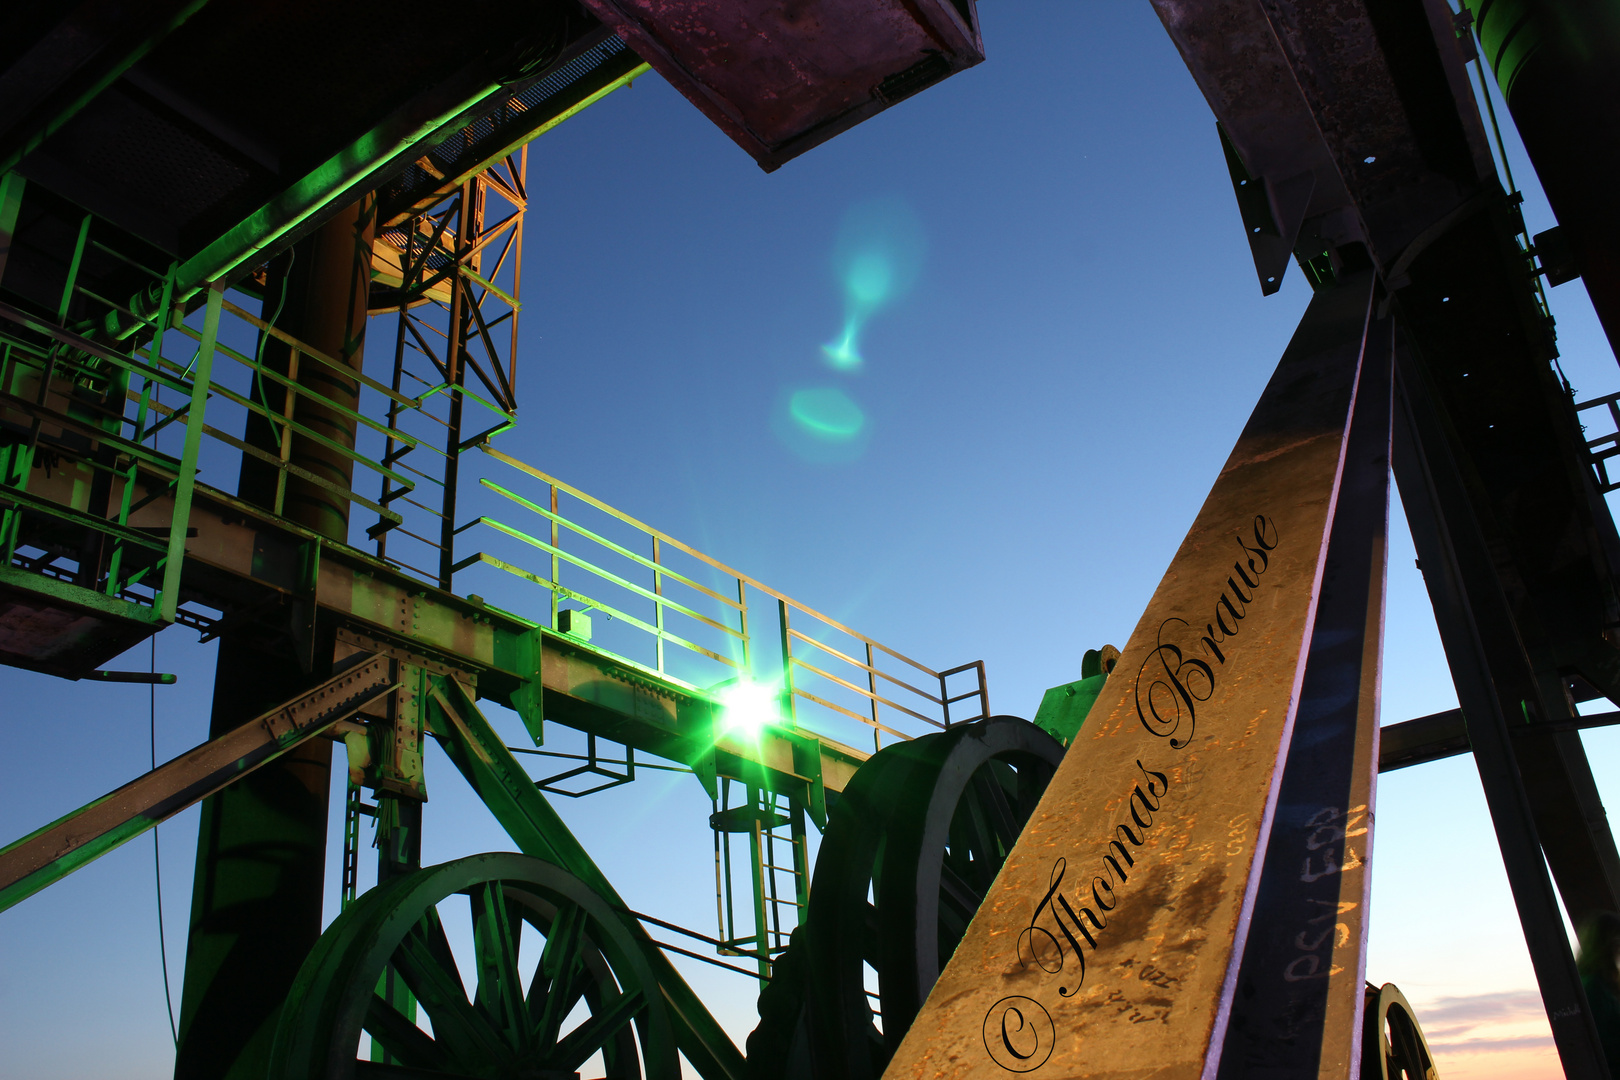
(782, 76)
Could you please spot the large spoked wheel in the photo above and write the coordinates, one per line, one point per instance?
(591, 991)
(912, 848)
(1392, 1043)
(943, 858)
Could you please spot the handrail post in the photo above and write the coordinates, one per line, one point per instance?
(73, 271)
(556, 564)
(871, 684)
(658, 606)
(143, 406)
(742, 627)
(787, 663)
(289, 408)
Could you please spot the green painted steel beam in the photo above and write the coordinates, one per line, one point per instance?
(49, 854)
(407, 133)
(185, 483)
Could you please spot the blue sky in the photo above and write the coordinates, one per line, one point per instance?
(1044, 409)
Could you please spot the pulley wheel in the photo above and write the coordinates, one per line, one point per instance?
(591, 996)
(910, 851)
(1392, 1043)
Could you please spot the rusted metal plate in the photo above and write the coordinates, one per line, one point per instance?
(1109, 944)
(782, 76)
(1377, 142)
(1297, 1010)
(1234, 55)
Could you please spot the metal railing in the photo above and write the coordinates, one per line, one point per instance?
(83, 414)
(71, 411)
(652, 601)
(283, 420)
(70, 393)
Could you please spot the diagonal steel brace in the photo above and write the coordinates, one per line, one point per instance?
(480, 754)
(51, 853)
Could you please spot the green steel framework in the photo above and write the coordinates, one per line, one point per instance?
(676, 630)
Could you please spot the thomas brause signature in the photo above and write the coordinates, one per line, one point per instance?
(1169, 696)
(1072, 913)
(1038, 945)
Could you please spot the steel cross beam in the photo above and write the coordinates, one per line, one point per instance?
(1445, 734)
(51, 853)
(101, 43)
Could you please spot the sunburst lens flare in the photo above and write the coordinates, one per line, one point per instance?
(747, 708)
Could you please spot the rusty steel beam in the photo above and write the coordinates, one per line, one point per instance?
(1426, 738)
(1110, 942)
(779, 80)
(51, 853)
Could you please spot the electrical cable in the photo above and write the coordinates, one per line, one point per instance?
(264, 338)
(157, 860)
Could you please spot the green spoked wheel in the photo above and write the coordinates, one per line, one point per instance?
(910, 851)
(590, 991)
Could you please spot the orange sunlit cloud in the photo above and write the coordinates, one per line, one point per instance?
(1494, 1036)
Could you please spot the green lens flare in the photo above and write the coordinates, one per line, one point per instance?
(879, 251)
(842, 353)
(877, 257)
(827, 413)
(821, 425)
(870, 278)
(748, 708)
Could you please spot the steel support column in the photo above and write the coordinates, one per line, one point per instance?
(11, 190)
(1493, 684)
(261, 851)
(469, 223)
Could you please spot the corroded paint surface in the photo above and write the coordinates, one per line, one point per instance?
(1109, 943)
(779, 76)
